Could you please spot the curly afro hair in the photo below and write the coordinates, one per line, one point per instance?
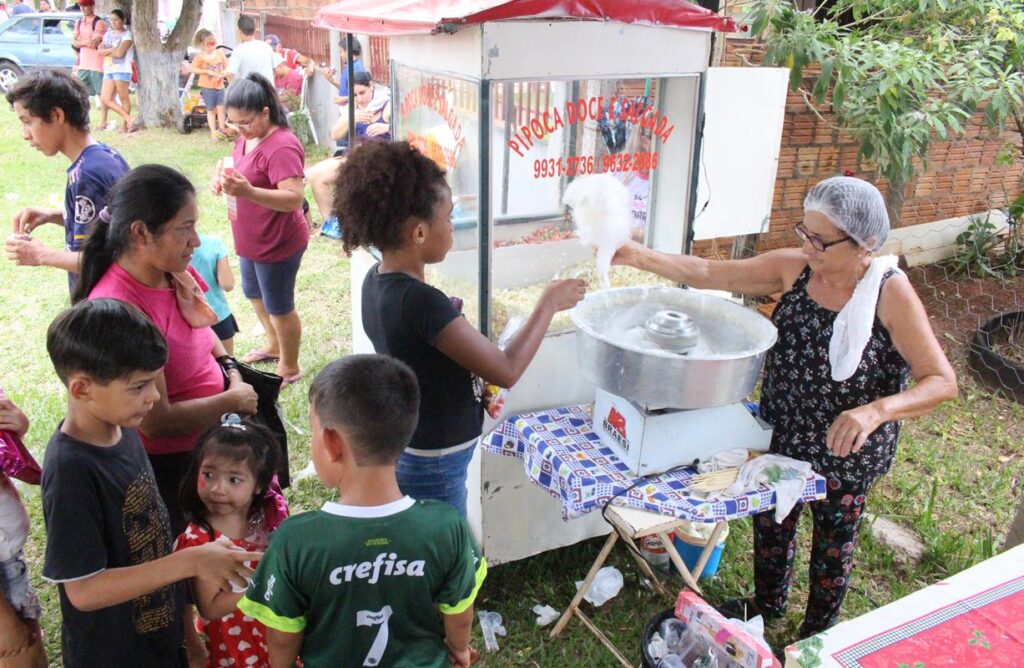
(380, 186)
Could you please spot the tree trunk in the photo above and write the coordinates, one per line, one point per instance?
(1015, 536)
(159, 61)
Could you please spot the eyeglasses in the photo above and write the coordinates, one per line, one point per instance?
(817, 242)
(245, 124)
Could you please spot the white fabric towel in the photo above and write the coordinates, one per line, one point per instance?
(852, 327)
(787, 476)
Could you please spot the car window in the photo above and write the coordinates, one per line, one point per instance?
(25, 31)
(58, 31)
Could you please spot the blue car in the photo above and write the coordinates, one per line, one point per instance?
(35, 40)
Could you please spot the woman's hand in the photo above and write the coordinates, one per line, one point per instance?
(364, 115)
(848, 433)
(245, 397)
(563, 294)
(215, 180)
(377, 129)
(233, 182)
(11, 418)
(628, 254)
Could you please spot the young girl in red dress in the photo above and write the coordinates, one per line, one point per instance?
(231, 493)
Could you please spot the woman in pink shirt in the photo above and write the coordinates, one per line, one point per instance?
(269, 227)
(139, 252)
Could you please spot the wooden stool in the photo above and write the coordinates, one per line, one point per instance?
(630, 524)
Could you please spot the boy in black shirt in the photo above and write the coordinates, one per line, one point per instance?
(109, 541)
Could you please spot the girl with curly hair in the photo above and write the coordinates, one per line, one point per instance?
(395, 199)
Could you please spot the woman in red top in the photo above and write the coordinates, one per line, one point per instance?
(269, 227)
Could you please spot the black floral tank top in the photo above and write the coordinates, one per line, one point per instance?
(801, 401)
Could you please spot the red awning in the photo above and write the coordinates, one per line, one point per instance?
(409, 17)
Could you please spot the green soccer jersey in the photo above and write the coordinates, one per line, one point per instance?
(368, 586)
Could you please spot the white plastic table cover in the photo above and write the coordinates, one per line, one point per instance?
(563, 455)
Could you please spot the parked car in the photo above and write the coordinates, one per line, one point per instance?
(35, 40)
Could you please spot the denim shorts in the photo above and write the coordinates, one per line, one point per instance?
(212, 97)
(442, 478)
(117, 76)
(272, 282)
(15, 587)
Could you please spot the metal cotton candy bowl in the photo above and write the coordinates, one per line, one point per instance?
(622, 348)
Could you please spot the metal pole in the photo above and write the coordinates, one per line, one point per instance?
(695, 167)
(349, 40)
(484, 208)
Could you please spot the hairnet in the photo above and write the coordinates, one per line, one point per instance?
(854, 206)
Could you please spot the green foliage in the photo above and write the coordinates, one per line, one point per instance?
(975, 249)
(902, 71)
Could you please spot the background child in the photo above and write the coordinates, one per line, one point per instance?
(211, 64)
(375, 579)
(227, 492)
(20, 640)
(108, 544)
(390, 196)
(210, 259)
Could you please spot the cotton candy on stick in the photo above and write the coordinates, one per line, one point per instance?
(600, 210)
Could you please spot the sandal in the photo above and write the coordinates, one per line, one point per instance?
(291, 380)
(258, 357)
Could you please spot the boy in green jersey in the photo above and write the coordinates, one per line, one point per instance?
(376, 578)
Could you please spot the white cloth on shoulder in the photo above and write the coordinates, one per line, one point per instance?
(852, 327)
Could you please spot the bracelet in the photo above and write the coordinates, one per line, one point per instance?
(228, 363)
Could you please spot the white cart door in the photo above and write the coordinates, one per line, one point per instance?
(744, 109)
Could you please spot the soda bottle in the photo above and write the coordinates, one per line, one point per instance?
(654, 552)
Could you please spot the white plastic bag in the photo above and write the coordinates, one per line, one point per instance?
(545, 614)
(606, 586)
(601, 211)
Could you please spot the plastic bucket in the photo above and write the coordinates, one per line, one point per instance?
(690, 548)
(649, 630)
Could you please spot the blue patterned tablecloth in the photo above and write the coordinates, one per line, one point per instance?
(565, 457)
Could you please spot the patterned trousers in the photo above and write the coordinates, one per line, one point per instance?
(836, 521)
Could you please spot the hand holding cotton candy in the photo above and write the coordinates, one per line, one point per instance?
(600, 210)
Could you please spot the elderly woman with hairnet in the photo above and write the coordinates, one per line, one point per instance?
(835, 385)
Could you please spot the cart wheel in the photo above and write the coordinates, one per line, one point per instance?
(184, 124)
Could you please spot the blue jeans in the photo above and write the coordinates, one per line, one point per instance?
(442, 478)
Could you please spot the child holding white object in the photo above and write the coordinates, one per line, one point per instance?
(228, 492)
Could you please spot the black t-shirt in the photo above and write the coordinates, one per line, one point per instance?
(102, 510)
(403, 318)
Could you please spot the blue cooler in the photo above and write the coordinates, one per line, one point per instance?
(690, 548)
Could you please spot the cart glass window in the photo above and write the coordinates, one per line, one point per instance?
(545, 135)
(439, 115)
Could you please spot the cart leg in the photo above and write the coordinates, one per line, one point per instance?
(684, 572)
(603, 638)
(708, 549)
(605, 551)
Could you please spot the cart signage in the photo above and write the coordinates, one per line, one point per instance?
(615, 426)
(433, 97)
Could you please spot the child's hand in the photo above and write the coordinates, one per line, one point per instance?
(15, 638)
(563, 294)
(461, 659)
(11, 417)
(221, 563)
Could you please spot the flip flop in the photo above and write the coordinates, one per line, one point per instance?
(258, 357)
(291, 380)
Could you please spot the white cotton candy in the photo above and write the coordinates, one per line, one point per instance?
(601, 212)
(852, 327)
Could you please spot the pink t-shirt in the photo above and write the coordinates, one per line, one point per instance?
(88, 57)
(262, 234)
(191, 371)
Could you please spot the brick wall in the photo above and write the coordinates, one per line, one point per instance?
(296, 9)
(962, 176)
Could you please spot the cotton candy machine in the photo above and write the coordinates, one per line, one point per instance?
(672, 367)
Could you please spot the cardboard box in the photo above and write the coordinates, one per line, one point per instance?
(742, 649)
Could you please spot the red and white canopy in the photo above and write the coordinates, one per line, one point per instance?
(410, 17)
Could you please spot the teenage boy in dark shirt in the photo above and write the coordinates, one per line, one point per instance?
(53, 108)
(109, 542)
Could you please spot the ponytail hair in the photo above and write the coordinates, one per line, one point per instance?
(152, 194)
(253, 93)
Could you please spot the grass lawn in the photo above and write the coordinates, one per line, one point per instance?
(955, 480)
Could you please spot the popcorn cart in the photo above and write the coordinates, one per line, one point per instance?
(515, 100)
